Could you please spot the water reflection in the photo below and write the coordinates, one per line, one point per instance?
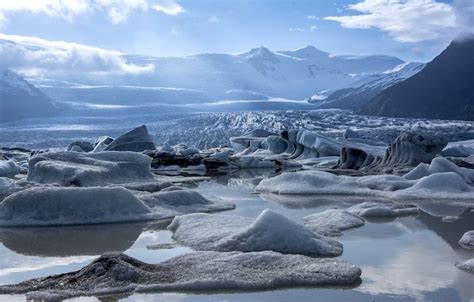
(71, 240)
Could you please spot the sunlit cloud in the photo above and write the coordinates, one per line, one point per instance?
(118, 11)
(34, 56)
(404, 20)
(297, 29)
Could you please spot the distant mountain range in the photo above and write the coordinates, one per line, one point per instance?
(444, 89)
(19, 99)
(260, 73)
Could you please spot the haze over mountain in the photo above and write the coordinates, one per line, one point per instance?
(444, 89)
(260, 71)
(19, 99)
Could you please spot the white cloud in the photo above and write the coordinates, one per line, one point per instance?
(213, 19)
(404, 20)
(117, 10)
(34, 56)
(298, 29)
(168, 7)
(313, 28)
(312, 17)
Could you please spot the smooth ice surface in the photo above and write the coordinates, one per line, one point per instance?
(382, 210)
(65, 206)
(269, 231)
(440, 165)
(136, 140)
(467, 265)
(203, 271)
(467, 240)
(40, 206)
(97, 169)
(332, 222)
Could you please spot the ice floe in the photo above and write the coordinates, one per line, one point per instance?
(467, 240)
(332, 222)
(40, 206)
(269, 231)
(382, 210)
(455, 184)
(95, 169)
(466, 265)
(202, 271)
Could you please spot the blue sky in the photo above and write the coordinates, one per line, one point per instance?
(414, 30)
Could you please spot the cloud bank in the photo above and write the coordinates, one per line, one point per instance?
(410, 20)
(117, 10)
(34, 56)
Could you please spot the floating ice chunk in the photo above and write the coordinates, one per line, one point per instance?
(67, 206)
(179, 202)
(440, 165)
(203, 271)
(332, 222)
(9, 168)
(382, 210)
(136, 140)
(250, 161)
(269, 231)
(457, 151)
(467, 240)
(82, 169)
(448, 185)
(435, 186)
(467, 265)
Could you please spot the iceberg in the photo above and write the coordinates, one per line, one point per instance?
(46, 206)
(202, 271)
(269, 231)
(95, 169)
(136, 140)
(467, 265)
(446, 185)
(382, 210)
(467, 240)
(9, 168)
(332, 222)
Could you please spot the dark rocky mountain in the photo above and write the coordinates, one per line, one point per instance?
(444, 89)
(19, 99)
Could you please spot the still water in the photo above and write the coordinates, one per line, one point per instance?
(403, 259)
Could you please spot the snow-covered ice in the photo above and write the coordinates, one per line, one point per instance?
(332, 222)
(467, 240)
(202, 271)
(269, 231)
(82, 169)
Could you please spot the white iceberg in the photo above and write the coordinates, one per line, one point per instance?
(68, 206)
(455, 184)
(41, 206)
(179, 202)
(202, 271)
(96, 169)
(467, 240)
(332, 222)
(440, 165)
(269, 231)
(382, 210)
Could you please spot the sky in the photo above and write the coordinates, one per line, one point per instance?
(413, 30)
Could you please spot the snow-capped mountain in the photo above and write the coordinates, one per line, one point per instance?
(354, 97)
(19, 99)
(203, 77)
(444, 89)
